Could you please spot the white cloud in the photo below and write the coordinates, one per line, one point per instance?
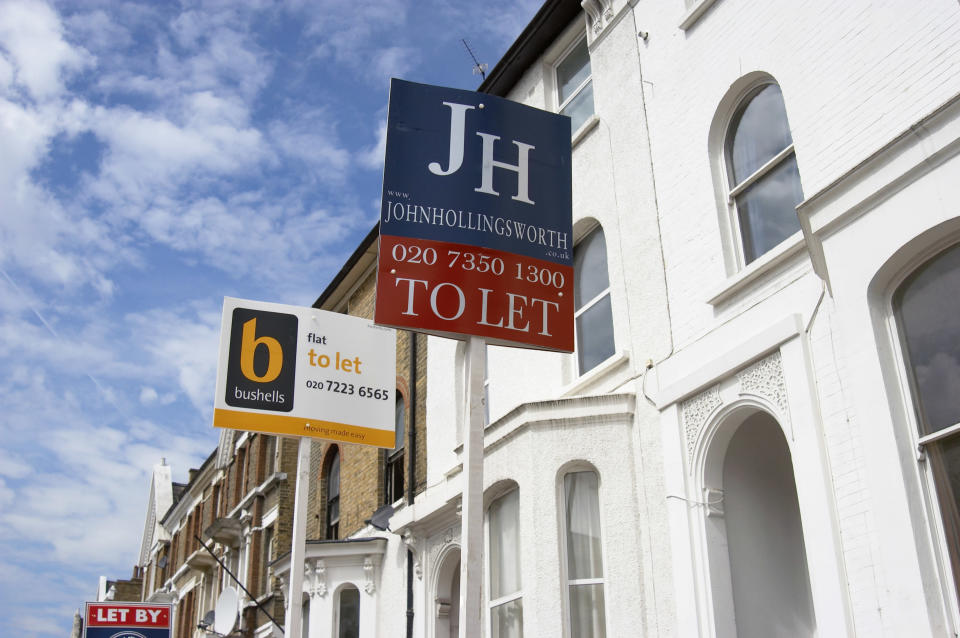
(11, 466)
(183, 347)
(372, 157)
(148, 396)
(31, 31)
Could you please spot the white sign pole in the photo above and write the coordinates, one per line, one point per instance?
(294, 617)
(471, 534)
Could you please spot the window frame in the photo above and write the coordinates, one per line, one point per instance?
(587, 305)
(337, 611)
(331, 530)
(948, 583)
(395, 458)
(566, 582)
(564, 103)
(554, 56)
(491, 603)
(730, 190)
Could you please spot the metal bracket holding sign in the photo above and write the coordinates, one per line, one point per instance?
(476, 242)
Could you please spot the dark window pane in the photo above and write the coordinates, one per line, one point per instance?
(333, 476)
(760, 131)
(587, 616)
(767, 210)
(333, 495)
(573, 70)
(590, 268)
(595, 335)
(400, 419)
(394, 478)
(945, 465)
(580, 108)
(349, 614)
(928, 305)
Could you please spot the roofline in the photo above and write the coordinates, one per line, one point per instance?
(549, 22)
(364, 246)
(187, 486)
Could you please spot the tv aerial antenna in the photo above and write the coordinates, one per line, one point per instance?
(478, 67)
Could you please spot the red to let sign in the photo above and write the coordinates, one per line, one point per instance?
(442, 287)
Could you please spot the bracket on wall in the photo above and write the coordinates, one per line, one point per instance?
(713, 500)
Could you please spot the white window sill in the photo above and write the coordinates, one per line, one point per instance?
(763, 265)
(694, 13)
(591, 377)
(584, 129)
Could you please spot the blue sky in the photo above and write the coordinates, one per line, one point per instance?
(154, 158)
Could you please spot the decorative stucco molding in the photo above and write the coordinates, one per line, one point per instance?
(317, 575)
(413, 544)
(599, 14)
(368, 584)
(764, 379)
(695, 412)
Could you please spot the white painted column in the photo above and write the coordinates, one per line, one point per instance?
(294, 618)
(471, 535)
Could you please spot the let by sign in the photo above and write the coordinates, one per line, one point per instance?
(126, 620)
(475, 223)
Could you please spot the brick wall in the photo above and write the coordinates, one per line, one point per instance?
(362, 488)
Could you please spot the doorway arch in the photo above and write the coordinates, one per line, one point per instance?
(759, 580)
(447, 594)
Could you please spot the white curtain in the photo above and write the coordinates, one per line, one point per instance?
(506, 619)
(584, 555)
(584, 559)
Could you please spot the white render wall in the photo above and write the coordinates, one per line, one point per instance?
(855, 76)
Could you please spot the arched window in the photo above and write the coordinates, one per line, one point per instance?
(348, 613)
(332, 483)
(591, 297)
(586, 614)
(393, 472)
(926, 306)
(505, 589)
(763, 180)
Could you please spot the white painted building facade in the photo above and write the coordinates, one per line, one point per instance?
(754, 437)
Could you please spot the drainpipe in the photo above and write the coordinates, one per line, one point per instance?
(411, 470)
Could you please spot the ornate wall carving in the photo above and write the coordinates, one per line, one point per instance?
(764, 379)
(317, 578)
(599, 14)
(695, 412)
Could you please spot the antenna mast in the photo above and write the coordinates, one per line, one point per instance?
(478, 68)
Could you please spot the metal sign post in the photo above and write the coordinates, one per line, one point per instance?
(294, 617)
(471, 534)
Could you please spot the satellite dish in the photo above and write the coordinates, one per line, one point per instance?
(225, 613)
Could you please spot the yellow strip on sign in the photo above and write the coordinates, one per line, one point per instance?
(299, 426)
